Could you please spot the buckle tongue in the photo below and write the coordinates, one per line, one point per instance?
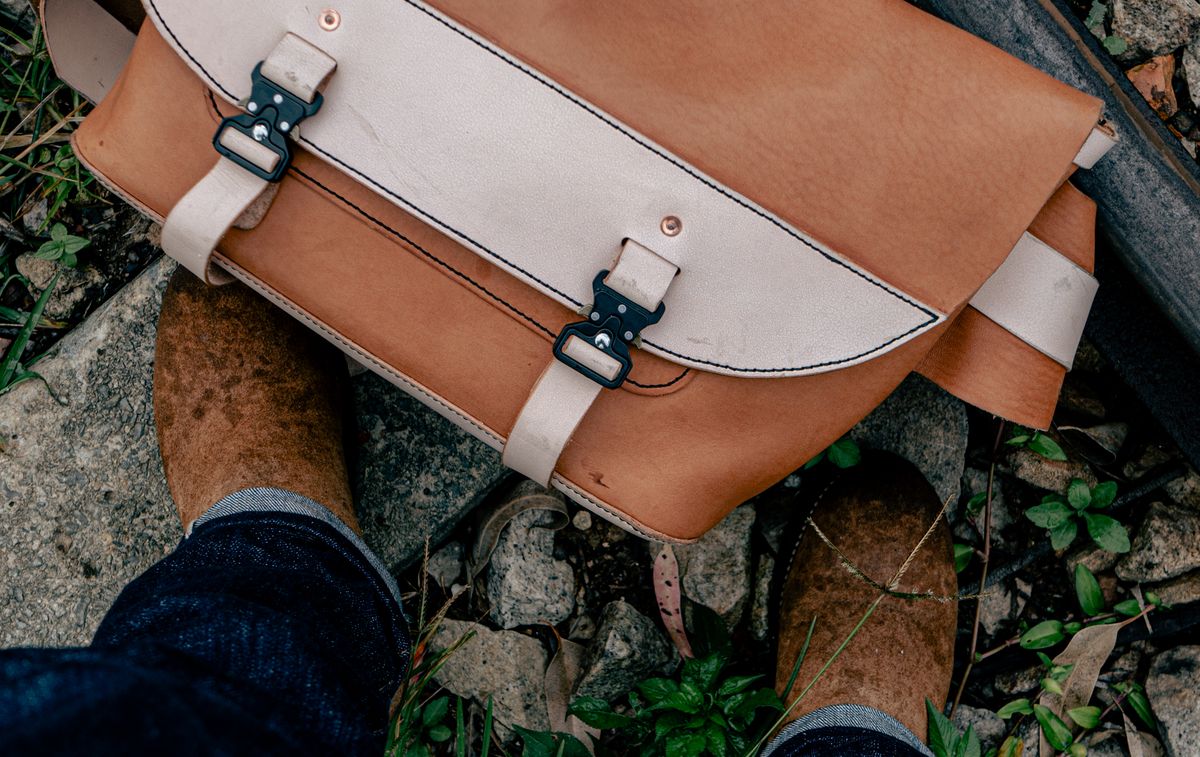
(613, 324)
(272, 114)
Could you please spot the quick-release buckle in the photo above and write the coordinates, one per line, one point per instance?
(272, 114)
(613, 324)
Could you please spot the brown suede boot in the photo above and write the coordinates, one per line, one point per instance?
(245, 397)
(875, 513)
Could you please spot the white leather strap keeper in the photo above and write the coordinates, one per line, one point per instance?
(201, 219)
(1040, 296)
(562, 396)
(1096, 146)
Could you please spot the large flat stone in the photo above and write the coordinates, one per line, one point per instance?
(84, 504)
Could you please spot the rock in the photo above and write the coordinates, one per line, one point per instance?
(83, 500)
(1173, 686)
(760, 610)
(1090, 556)
(35, 219)
(1018, 683)
(20, 10)
(627, 648)
(1179, 591)
(69, 292)
(1154, 27)
(446, 565)
(416, 474)
(989, 727)
(505, 666)
(1167, 545)
(84, 506)
(974, 481)
(1185, 490)
(582, 520)
(1003, 605)
(1191, 69)
(1114, 744)
(1050, 475)
(924, 424)
(525, 583)
(716, 569)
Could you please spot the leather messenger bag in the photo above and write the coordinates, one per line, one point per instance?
(657, 254)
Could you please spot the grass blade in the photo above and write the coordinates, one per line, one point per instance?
(12, 359)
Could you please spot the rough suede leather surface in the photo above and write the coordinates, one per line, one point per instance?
(244, 396)
(875, 513)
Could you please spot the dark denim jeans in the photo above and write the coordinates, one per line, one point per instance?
(271, 629)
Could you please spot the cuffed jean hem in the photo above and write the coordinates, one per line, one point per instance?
(841, 717)
(272, 500)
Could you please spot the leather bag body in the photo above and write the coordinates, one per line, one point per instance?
(849, 180)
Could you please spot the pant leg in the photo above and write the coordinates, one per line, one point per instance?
(270, 629)
(846, 730)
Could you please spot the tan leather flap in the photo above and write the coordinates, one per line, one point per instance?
(546, 176)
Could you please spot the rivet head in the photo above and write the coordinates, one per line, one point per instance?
(284, 126)
(330, 19)
(595, 316)
(629, 336)
(621, 308)
(603, 340)
(252, 106)
(278, 99)
(671, 226)
(261, 131)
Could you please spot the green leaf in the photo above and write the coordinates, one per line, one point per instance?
(1043, 635)
(1017, 706)
(688, 699)
(598, 714)
(844, 453)
(58, 232)
(1115, 45)
(1141, 705)
(1087, 591)
(1128, 608)
(968, 745)
(736, 685)
(815, 461)
(1047, 447)
(943, 736)
(435, 711)
(1012, 747)
(702, 672)
(1095, 16)
(1049, 514)
(1053, 728)
(439, 733)
(1085, 717)
(657, 689)
(1073, 627)
(1107, 532)
(1077, 750)
(12, 358)
(550, 744)
(1052, 686)
(1103, 495)
(962, 556)
(1018, 440)
(686, 745)
(1078, 494)
(718, 744)
(757, 698)
(1062, 536)
(976, 502)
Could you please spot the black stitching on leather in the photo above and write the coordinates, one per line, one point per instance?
(614, 125)
(530, 319)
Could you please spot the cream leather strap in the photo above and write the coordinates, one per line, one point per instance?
(563, 394)
(197, 223)
(1040, 296)
(1096, 146)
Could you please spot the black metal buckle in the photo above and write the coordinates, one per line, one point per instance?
(273, 113)
(613, 325)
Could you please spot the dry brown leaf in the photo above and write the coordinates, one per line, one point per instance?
(1153, 80)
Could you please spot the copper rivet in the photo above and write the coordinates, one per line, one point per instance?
(330, 20)
(671, 226)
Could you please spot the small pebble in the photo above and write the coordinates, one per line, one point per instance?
(582, 520)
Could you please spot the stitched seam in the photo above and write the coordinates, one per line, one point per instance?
(530, 319)
(630, 524)
(378, 222)
(612, 124)
(331, 334)
(812, 510)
